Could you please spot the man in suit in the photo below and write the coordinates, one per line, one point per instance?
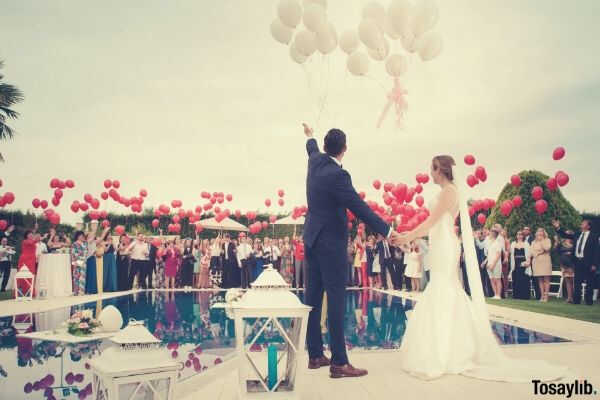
(586, 260)
(385, 260)
(330, 193)
(397, 266)
(231, 270)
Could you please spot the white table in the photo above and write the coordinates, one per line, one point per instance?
(54, 274)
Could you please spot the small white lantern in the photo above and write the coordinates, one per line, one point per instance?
(26, 279)
(269, 302)
(137, 368)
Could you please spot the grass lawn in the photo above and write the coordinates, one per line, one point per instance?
(558, 307)
(6, 295)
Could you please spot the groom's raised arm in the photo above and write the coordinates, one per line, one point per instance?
(346, 195)
(311, 144)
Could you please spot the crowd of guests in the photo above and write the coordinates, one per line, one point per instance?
(520, 267)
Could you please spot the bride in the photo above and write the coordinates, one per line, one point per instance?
(449, 332)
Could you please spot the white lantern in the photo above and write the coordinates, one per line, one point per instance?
(134, 369)
(270, 304)
(24, 281)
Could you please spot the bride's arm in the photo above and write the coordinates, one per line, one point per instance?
(446, 202)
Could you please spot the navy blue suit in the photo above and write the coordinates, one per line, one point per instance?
(329, 192)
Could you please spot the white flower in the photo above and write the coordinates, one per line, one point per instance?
(87, 314)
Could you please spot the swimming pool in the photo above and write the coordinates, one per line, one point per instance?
(192, 332)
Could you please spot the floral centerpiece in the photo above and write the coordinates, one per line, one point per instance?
(82, 323)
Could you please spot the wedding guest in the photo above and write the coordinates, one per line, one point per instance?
(244, 254)
(123, 263)
(370, 252)
(494, 262)
(138, 253)
(159, 274)
(187, 267)
(528, 237)
(385, 261)
(28, 255)
(377, 268)
(231, 270)
(110, 264)
(566, 256)
(398, 263)
(6, 252)
(171, 264)
(197, 252)
(299, 262)
(542, 263)
(260, 260)
(204, 279)
(40, 247)
(287, 266)
(275, 253)
(505, 261)
(350, 250)
(95, 264)
(414, 267)
(587, 260)
(519, 265)
(79, 255)
(359, 254)
(151, 264)
(216, 267)
(424, 251)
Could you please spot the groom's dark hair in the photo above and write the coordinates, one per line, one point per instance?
(335, 142)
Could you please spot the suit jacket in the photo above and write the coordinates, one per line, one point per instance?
(329, 193)
(591, 252)
(381, 252)
(231, 254)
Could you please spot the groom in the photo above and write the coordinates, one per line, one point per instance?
(329, 192)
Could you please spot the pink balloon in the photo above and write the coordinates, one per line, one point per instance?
(515, 180)
(558, 153)
(35, 203)
(229, 197)
(155, 223)
(551, 184)
(420, 201)
(541, 206)
(480, 173)
(107, 183)
(481, 219)
(70, 184)
(561, 178)
(116, 184)
(268, 202)
(377, 184)
(469, 159)
(143, 193)
(471, 180)
(537, 193)
(517, 201)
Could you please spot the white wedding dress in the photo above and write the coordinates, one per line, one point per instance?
(449, 332)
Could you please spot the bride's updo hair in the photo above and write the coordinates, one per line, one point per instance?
(444, 165)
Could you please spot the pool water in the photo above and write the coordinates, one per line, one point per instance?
(191, 332)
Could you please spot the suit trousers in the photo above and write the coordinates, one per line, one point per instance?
(327, 272)
(5, 271)
(583, 273)
(246, 273)
(300, 273)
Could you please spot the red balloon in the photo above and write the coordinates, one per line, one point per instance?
(268, 202)
(143, 193)
(94, 215)
(425, 178)
(87, 197)
(537, 193)
(481, 219)
(61, 184)
(119, 229)
(471, 211)
(155, 223)
(388, 186)
(506, 208)
(104, 195)
(480, 173)
(107, 183)
(205, 195)
(377, 184)
(70, 184)
(95, 204)
(43, 204)
(515, 180)
(238, 213)
(419, 188)
(83, 206)
(35, 203)
(471, 180)
(103, 214)
(3, 225)
(551, 184)
(199, 228)
(558, 153)
(105, 223)
(58, 193)
(561, 178)
(176, 218)
(281, 202)
(54, 183)
(280, 193)
(116, 184)
(229, 197)
(220, 200)
(469, 159)
(265, 224)
(400, 191)
(541, 206)
(272, 219)
(362, 195)
(54, 219)
(420, 201)
(55, 202)
(9, 197)
(174, 203)
(217, 210)
(207, 206)
(517, 201)
(213, 200)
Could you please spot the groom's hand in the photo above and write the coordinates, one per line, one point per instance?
(307, 130)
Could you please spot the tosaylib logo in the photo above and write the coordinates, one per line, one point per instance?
(566, 389)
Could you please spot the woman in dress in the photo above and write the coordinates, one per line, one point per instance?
(519, 256)
(567, 262)
(414, 267)
(28, 256)
(359, 254)
(260, 260)
(171, 263)
(204, 278)
(197, 252)
(449, 332)
(123, 263)
(187, 264)
(541, 262)
(79, 253)
(216, 267)
(370, 255)
(110, 264)
(286, 260)
(494, 263)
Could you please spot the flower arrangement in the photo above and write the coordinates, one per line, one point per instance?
(82, 323)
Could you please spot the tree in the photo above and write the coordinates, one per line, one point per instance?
(9, 96)
(526, 215)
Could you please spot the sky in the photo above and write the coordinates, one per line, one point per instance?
(182, 97)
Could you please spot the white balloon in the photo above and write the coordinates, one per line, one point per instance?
(425, 17)
(430, 46)
(305, 42)
(396, 65)
(376, 11)
(349, 41)
(380, 53)
(281, 33)
(389, 29)
(110, 319)
(327, 39)
(296, 56)
(369, 33)
(321, 2)
(289, 12)
(314, 17)
(409, 42)
(358, 63)
(400, 13)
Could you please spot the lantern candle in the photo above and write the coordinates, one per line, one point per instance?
(272, 366)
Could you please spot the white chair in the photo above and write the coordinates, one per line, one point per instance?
(553, 283)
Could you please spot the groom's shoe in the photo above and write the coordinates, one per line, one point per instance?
(346, 371)
(316, 363)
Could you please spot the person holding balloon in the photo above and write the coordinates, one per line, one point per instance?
(541, 262)
(28, 256)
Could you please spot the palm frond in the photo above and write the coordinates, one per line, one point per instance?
(10, 95)
(6, 132)
(1, 158)
(9, 113)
